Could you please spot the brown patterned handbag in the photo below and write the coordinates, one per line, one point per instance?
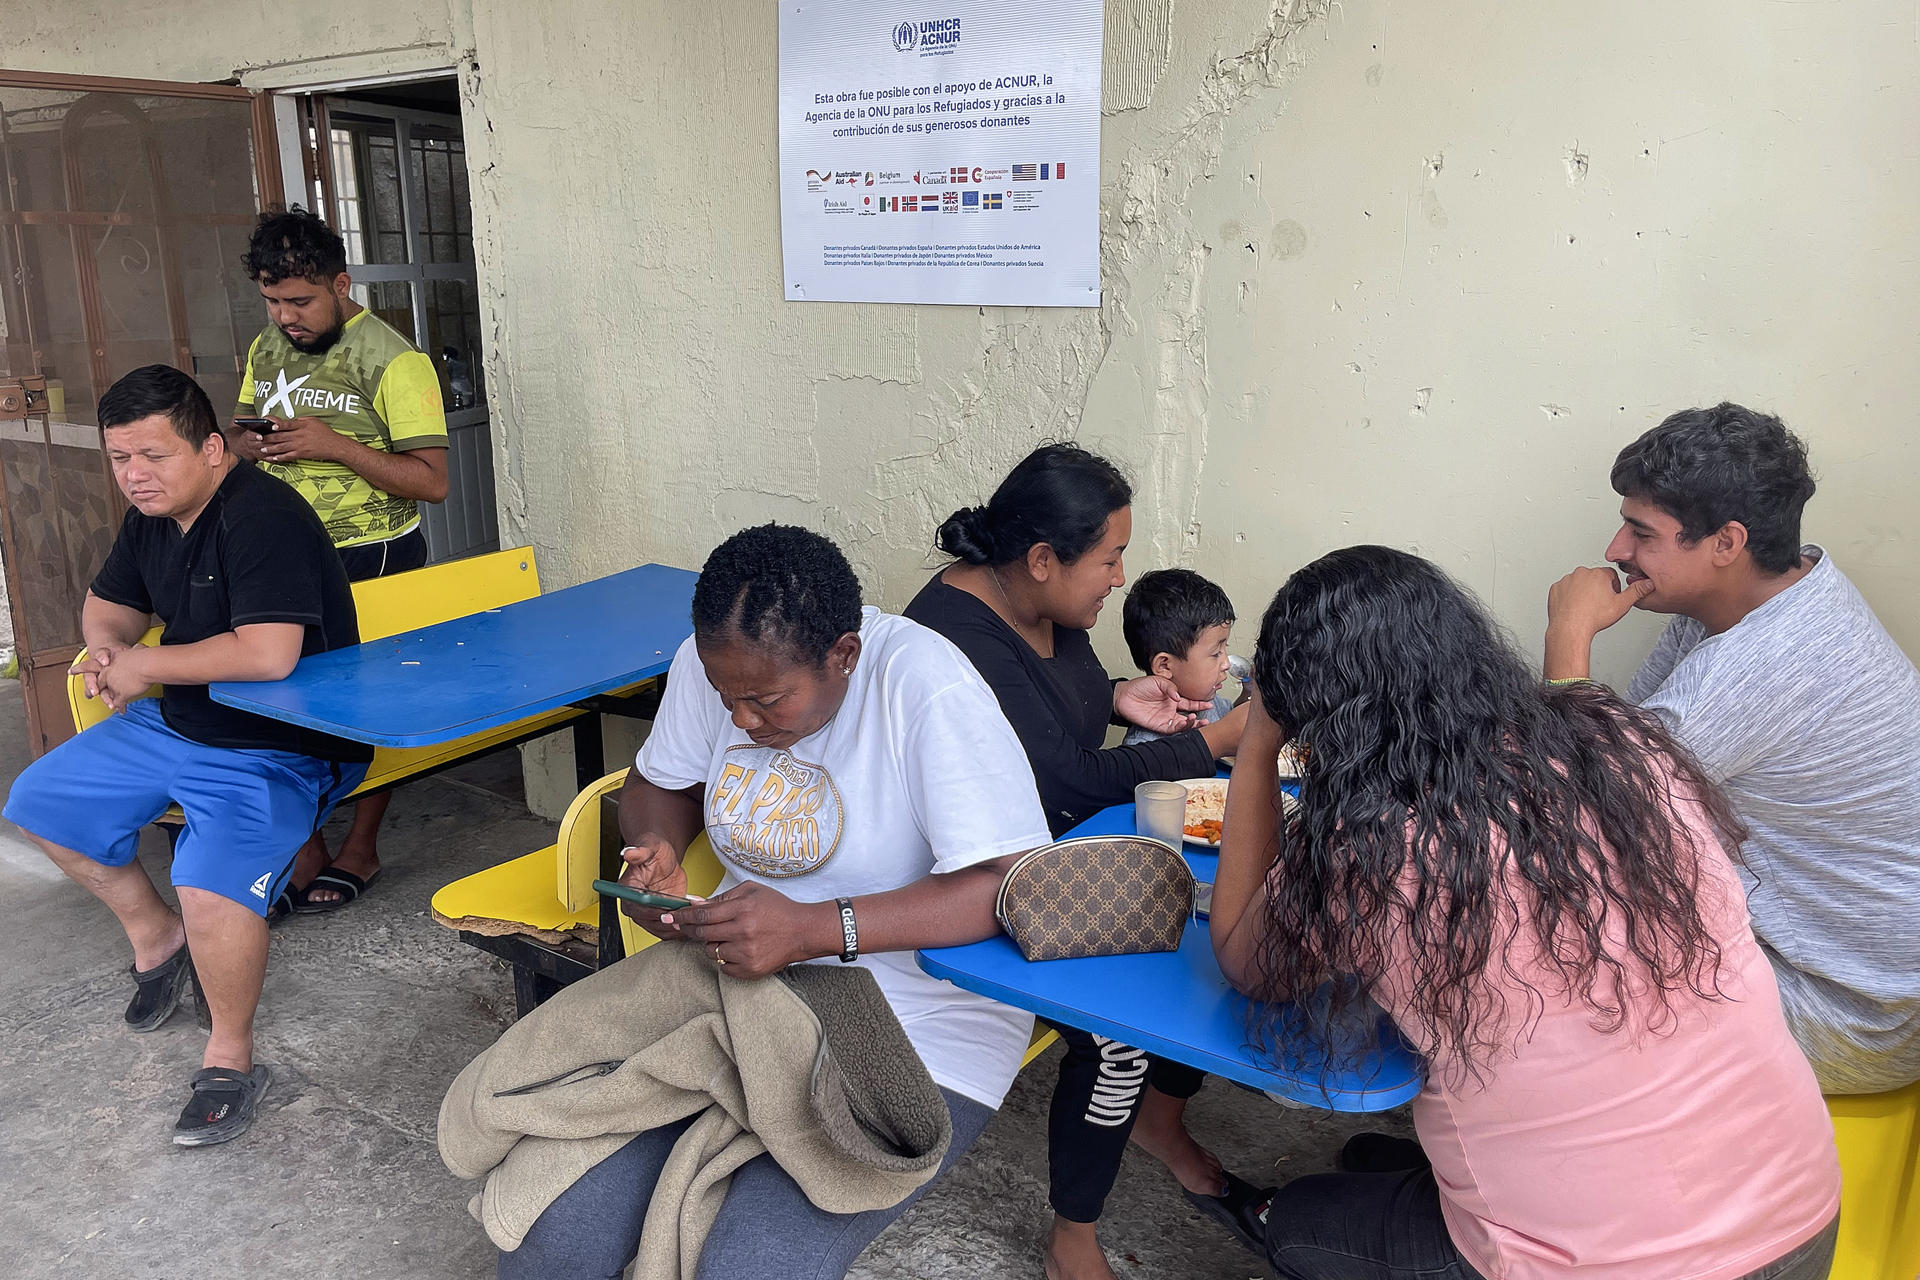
(1096, 896)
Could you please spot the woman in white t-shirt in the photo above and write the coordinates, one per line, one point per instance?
(865, 794)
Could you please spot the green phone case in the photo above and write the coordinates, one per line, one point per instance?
(658, 901)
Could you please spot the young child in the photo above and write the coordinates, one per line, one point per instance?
(1176, 624)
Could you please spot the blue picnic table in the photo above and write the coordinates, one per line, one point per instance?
(488, 669)
(1177, 1005)
(580, 646)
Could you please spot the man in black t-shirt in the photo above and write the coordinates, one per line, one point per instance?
(240, 571)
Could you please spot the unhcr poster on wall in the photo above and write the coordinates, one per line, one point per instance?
(941, 151)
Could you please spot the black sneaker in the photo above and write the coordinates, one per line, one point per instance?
(222, 1106)
(157, 990)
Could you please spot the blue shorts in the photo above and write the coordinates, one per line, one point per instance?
(248, 812)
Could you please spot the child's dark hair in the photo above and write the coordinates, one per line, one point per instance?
(777, 584)
(292, 244)
(1167, 610)
(1059, 494)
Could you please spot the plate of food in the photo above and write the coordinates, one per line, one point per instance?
(1206, 808)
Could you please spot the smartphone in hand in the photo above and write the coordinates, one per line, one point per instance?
(264, 426)
(646, 898)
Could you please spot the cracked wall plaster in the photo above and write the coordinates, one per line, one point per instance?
(1137, 44)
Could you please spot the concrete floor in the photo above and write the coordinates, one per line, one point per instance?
(366, 1018)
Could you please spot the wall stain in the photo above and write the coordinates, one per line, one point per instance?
(1289, 239)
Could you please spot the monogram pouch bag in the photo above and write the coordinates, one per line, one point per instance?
(1096, 896)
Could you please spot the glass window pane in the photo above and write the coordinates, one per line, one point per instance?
(453, 340)
(136, 208)
(391, 300)
(368, 211)
(439, 161)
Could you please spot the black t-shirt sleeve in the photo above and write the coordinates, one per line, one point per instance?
(272, 577)
(1075, 782)
(120, 580)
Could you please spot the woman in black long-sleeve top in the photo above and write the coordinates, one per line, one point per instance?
(1033, 568)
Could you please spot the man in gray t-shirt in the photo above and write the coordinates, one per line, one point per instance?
(1780, 680)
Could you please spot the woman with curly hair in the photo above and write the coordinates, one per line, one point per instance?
(1534, 882)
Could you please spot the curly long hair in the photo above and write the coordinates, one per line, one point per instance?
(1433, 756)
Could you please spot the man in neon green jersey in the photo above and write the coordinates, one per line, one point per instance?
(358, 429)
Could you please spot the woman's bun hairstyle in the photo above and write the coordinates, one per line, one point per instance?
(965, 536)
(1059, 494)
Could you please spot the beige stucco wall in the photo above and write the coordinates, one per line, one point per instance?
(1402, 272)
(1381, 271)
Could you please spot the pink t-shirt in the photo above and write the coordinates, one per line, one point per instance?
(1699, 1153)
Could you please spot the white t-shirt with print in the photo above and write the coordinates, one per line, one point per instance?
(917, 773)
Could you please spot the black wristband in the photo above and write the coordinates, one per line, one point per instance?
(849, 932)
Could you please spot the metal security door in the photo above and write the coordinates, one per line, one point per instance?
(124, 208)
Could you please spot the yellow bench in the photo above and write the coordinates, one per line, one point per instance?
(1878, 1135)
(549, 895)
(407, 602)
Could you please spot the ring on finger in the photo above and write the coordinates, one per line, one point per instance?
(717, 958)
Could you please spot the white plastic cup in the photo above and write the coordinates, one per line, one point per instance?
(1160, 812)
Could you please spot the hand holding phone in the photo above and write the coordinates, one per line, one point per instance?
(645, 897)
(264, 426)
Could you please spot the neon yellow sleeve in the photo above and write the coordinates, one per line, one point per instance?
(408, 401)
(246, 381)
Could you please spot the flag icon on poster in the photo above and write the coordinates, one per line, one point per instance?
(950, 201)
(970, 199)
(930, 204)
(958, 173)
(991, 200)
(1026, 173)
(910, 204)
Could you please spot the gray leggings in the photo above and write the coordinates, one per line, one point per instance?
(767, 1228)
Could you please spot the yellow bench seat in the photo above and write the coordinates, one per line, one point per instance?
(549, 894)
(514, 897)
(1878, 1135)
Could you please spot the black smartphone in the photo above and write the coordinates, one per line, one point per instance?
(263, 425)
(646, 898)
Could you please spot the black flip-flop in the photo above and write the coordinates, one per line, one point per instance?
(1238, 1210)
(157, 990)
(348, 885)
(222, 1107)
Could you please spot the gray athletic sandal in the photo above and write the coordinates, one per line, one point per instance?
(222, 1106)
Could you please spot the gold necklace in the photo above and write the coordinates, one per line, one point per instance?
(993, 571)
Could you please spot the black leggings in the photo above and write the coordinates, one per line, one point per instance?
(1095, 1103)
